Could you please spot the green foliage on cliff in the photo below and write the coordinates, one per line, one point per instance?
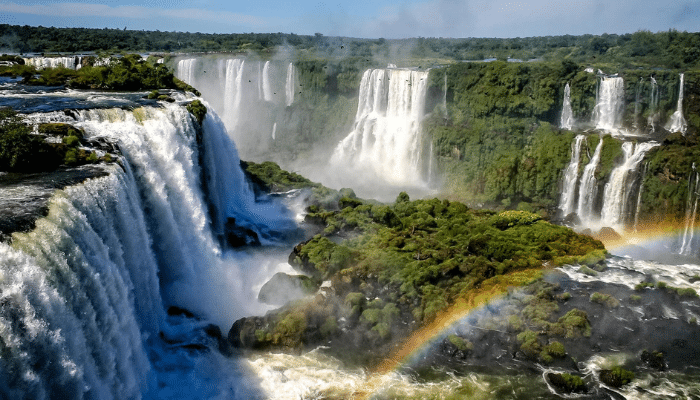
(197, 109)
(430, 252)
(22, 151)
(129, 72)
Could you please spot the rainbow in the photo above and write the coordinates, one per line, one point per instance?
(428, 335)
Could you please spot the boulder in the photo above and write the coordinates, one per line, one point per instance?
(282, 288)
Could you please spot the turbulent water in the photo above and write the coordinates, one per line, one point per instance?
(386, 140)
(567, 114)
(84, 293)
(588, 188)
(624, 181)
(677, 123)
(607, 114)
(567, 201)
(249, 95)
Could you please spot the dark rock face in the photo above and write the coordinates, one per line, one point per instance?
(654, 359)
(238, 236)
(18, 213)
(283, 288)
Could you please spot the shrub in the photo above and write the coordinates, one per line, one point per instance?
(604, 299)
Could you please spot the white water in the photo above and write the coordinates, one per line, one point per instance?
(568, 194)
(677, 122)
(249, 95)
(691, 209)
(620, 186)
(653, 105)
(589, 188)
(73, 62)
(84, 293)
(290, 84)
(567, 114)
(386, 142)
(266, 84)
(607, 114)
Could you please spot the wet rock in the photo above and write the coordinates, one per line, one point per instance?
(567, 383)
(654, 359)
(238, 236)
(282, 288)
(607, 233)
(175, 311)
(616, 377)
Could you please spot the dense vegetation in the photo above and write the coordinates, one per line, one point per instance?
(129, 72)
(394, 267)
(23, 151)
(671, 49)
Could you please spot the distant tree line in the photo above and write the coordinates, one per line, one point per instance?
(670, 49)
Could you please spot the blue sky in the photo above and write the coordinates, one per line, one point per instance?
(365, 18)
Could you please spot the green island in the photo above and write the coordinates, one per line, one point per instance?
(394, 267)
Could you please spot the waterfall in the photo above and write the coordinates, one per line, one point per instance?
(72, 62)
(589, 188)
(83, 294)
(186, 69)
(386, 139)
(620, 186)
(290, 84)
(691, 208)
(607, 114)
(567, 114)
(233, 91)
(274, 131)
(267, 88)
(677, 122)
(568, 195)
(247, 94)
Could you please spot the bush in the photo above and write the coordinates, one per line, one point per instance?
(604, 299)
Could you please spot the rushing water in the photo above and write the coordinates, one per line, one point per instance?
(677, 123)
(387, 141)
(567, 114)
(607, 114)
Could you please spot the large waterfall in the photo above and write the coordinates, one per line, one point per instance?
(83, 294)
(386, 141)
(73, 62)
(588, 188)
(567, 201)
(691, 210)
(607, 114)
(567, 114)
(677, 122)
(249, 95)
(619, 189)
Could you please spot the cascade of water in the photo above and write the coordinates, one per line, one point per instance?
(691, 208)
(621, 184)
(77, 292)
(677, 122)
(568, 195)
(386, 139)
(186, 69)
(233, 91)
(274, 130)
(83, 293)
(653, 104)
(267, 86)
(607, 114)
(290, 84)
(588, 188)
(54, 62)
(567, 114)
